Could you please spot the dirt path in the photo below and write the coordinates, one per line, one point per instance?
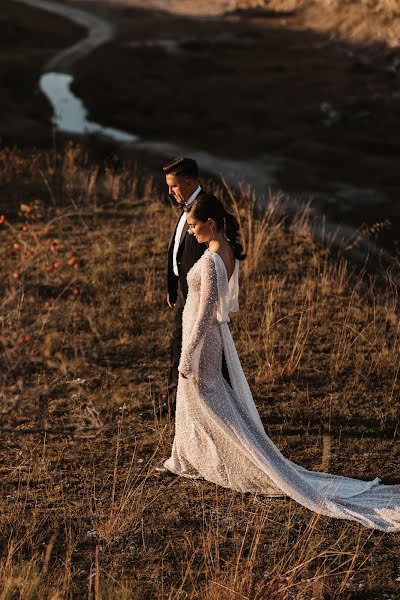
(99, 32)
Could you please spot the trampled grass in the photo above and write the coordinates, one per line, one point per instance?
(85, 334)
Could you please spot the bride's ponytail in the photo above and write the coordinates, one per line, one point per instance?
(233, 235)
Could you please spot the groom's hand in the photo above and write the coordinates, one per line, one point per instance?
(170, 304)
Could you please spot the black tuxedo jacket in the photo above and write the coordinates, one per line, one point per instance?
(189, 252)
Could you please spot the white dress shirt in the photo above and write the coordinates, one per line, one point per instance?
(179, 229)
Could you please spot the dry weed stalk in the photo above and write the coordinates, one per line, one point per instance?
(302, 565)
(257, 224)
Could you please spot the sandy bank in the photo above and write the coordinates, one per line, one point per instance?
(349, 20)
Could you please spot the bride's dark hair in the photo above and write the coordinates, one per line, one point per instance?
(206, 207)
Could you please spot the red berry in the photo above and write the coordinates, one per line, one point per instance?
(3, 219)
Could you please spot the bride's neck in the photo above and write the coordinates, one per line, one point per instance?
(217, 244)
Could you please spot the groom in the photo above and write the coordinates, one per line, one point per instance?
(182, 178)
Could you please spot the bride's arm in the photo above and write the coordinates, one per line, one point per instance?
(189, 363)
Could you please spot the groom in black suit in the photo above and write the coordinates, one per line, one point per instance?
(182, 178)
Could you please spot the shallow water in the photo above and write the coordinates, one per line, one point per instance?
(70, 115)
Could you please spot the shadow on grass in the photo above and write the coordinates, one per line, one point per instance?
(350, 427)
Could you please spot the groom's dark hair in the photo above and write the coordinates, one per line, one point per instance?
(182, 166)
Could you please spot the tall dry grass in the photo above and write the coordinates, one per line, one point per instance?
(85, 334)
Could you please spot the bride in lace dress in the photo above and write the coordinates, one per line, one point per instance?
(219, 435)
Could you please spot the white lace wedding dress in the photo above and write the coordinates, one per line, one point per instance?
(219, 435)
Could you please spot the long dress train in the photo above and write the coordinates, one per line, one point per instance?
(219, 435)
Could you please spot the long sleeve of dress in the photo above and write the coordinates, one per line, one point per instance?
(189, 363)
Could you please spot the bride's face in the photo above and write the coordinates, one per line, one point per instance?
(202, 231)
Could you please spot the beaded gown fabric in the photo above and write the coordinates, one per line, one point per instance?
(219, 435)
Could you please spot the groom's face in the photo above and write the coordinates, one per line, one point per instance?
(180, 187)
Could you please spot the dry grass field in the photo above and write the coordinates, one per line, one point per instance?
(84, 347)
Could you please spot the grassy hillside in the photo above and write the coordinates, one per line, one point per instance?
(85, 333)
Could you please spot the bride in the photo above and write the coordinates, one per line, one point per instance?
(219, 435)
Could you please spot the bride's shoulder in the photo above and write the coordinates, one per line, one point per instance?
(208, 260)
(211, 256)
(208, 256)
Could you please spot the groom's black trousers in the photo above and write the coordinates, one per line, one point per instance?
(175, 353)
